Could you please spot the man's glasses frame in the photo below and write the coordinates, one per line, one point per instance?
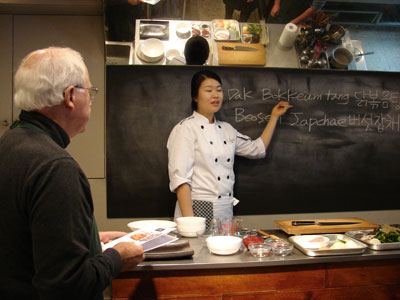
(92, 91)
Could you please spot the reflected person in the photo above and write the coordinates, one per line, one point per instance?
(197, 50)
(293, 11)
(120, 19)
(246, 7)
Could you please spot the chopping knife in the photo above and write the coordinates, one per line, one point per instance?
(239, 48)
(303, 223)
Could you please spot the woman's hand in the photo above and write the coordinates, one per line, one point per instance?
(280, 109)
(106, 236)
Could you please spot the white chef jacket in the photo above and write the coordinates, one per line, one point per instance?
(202, 155)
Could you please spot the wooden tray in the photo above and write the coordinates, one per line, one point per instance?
(248, 58)
(286, 226)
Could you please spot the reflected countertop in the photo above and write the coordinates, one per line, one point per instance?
(275, 57)
(203, 259)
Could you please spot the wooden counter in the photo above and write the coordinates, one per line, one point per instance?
(375, 280)
(374, 275)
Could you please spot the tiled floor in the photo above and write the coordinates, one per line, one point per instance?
(385, 43)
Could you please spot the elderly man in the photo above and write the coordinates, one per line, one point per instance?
(50, 246)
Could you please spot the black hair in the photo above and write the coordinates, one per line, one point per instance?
(196, 50)
(197, 80)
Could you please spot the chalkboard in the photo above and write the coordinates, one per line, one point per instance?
(337, 149)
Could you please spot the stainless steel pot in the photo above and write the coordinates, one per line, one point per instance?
(341, 58)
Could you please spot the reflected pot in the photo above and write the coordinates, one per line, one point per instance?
(341, 58)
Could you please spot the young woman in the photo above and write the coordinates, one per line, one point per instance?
(201, 152)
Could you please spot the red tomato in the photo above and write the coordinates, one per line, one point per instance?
(252, 239)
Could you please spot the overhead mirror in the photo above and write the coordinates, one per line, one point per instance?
(370, 29)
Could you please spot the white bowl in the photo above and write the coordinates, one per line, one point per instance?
(224, 244)
(171, 54)
(151, 223)
(190, 221)
(191, 231)
(152, 49)
(312, 241)
(183, 30)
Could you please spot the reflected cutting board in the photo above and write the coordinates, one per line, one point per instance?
(248, 58)
(286, 226)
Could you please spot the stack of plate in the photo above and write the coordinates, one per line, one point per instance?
(151, 50)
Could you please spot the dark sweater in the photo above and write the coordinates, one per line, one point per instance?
(46, 215)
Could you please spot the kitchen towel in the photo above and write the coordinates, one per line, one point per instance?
(288, 36)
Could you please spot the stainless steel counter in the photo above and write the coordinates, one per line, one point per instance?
(203, 259)
(276, 57)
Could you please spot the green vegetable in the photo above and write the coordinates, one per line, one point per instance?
(388, 234)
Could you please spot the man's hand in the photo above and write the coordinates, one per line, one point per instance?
(131, 254)
(106, 236)
(134, 2)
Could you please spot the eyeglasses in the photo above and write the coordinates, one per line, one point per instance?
(92, 91)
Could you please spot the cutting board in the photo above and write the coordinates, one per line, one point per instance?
(248, 58)
(286, 226)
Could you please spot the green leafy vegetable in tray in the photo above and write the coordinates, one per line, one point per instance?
(388, 234)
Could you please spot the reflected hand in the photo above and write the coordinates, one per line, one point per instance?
(131, 254)
(280, 108)
(275, 10)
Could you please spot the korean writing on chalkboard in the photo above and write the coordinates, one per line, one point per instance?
(373, 110)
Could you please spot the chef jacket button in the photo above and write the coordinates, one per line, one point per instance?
(227, 177)
(216, 160)
(225, 142)
(219, 197)
(230, 194)
(211, 142)
(219, 178)
(202, 127)
(219, 126)
(228, 160)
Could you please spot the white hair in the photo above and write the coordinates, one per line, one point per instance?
(44, 74)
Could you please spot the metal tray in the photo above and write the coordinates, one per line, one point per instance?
(332, 237)
(232, 26)
(379, 247)
(154, 29)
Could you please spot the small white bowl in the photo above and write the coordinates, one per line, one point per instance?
(224, 244)
(191, 231)
(190, 221)
(313, 241)
(152, 49)
(183, 30)
(171, 54)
